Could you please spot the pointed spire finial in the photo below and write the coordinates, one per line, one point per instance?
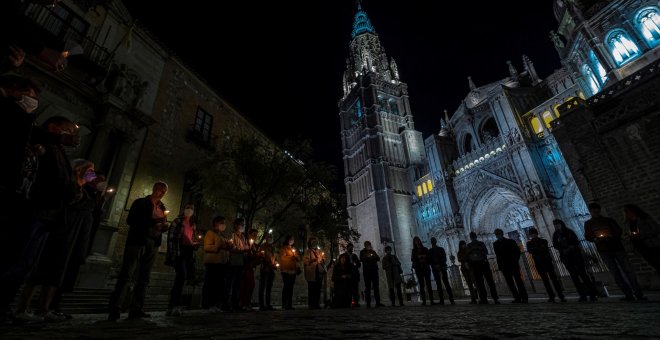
(361, 24)
(444, 125)
(531, 71)
(512, 70)
(471, 83)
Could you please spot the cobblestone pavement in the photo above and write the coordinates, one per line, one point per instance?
(606, 319)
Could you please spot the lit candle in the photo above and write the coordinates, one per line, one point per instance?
(251, 241)
(270, 231)
(166, 212)
(110, 190)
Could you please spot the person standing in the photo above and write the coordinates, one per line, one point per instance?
(644, 234)
(420, 263)
(466, 271)
(393, 271)
(370, 259)
(289, 260)
(216, 261)
(355, 282)
(508, 255)
(438, 260)
(267, 273)
(314, 261)
(607, 235)
(342, 277)
(147, 219)
(181, 245)
(570, 254)
(238, 258)
(477, 254)
(251, 261)
(540, 251)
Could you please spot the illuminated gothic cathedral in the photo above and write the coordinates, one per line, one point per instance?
(495, 163)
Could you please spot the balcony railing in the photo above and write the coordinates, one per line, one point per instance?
(485, 153)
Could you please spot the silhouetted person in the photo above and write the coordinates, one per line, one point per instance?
(570, 254)
(644, 234)
(393, 271)
(369, 260)
(342, 277)
(540, 251)
(420, 263)
(508, 255)
(606, 234)
(355, 283)
(438, 260)
(477, 255)
(466, 271)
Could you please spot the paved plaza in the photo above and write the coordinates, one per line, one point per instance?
(606, 319)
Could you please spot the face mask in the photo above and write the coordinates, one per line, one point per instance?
(242, 229)
(290, 242)
(28, 104)
(101, 186)
(89, 176)
(188, 212)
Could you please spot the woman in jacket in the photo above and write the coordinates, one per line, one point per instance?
(289, 267)
(216, 260)
(314, 260)
(181, 245)
(422, 269)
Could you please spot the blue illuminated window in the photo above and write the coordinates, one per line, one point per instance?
(359, 109)
(600, 70)
(623, 49)
(648, 22)
(591, 79)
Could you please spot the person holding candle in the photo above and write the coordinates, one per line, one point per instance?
(252, 260)
(355, 264)
(146, 220)
(570, 254)
(607, 235)
(314, 261)
(182, 242)
(216, 261)
(266, 273)
(370, 259)
(289, 260)
(237, 260)
(644, 234)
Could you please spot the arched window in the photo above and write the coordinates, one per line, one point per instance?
(556, 110)
(623, 49)
(648, 22)
(489, 130)
(591, 79)
(467, 143)
(536, 125)
(600, 70)
(429, 184)
(547, 118)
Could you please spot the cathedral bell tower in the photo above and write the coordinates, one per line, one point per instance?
(383, 153)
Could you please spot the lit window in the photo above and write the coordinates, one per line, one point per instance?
(536, 125)
(648, 22)
(621, 47)
(547, 118)
(424, 188)
(591, 79)
(600, 70)
(419, 190)
(429, 184)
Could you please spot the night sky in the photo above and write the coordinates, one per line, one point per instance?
(280, 63)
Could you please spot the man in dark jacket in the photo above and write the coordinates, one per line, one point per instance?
(438, 261)
(540, 251)
(606, 234)
(570, 254)
(370, 259)
(477, 255)
(147, 219)
(508, 255)
(355, 281)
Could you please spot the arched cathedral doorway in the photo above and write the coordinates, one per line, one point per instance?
(499, 207)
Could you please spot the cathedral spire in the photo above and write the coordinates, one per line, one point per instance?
(531, 71)
(471, 83)
(362, 23)
(444, 125)
(512, 70)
